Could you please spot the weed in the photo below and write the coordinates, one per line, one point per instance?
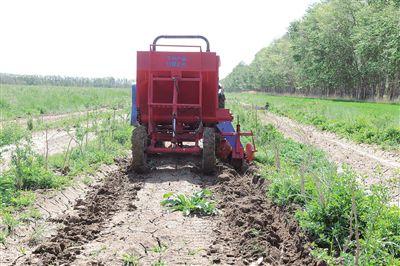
(3, 237)
(96, 252)
(159, 263)
(198, 203)
(160, 248)
(28, 170)
(130, 259)
(22, 250)
(11, 133)
(87, 180)
(255, 232)
(193, 252)
(9, 221)
(31, 213)
(37, 235)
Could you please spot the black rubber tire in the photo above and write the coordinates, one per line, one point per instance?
(139, 145)
(208, 157)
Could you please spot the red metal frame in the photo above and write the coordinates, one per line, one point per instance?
(177, 94)
(237, 151)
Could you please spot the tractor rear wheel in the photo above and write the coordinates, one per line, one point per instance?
(139, 145)
(208, 160)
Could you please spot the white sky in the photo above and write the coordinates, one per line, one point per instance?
(100, 38)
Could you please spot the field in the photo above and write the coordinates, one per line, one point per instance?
(19, 101)
(363, 122)
(66, 186)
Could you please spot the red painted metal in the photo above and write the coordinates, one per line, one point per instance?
(177, 95)
(237, 151)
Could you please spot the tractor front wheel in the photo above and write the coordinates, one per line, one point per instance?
(208, 160)
(139, 145)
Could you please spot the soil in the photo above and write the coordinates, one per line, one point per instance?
(121, 215)
(51, 205)
(252, 229)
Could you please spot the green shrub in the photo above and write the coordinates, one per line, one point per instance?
(28, 170)
(11, 133)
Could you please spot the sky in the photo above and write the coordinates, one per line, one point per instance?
(100, 38)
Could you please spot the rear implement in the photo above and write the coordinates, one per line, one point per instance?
(176, 108)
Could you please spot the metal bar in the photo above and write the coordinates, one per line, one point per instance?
(236, 133)
(181, 37)
(180, 79)
(190, 150)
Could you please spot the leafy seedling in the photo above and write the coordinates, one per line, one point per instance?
(130, 260)
(198, 203)
(159, 263)
(159, 248)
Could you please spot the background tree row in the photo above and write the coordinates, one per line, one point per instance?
(340, 48)
(108, 82)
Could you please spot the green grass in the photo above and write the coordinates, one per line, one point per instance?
(329, 206)
(365, 122)
(25, 101)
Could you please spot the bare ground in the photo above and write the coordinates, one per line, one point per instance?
(372, 163)
(121, 214)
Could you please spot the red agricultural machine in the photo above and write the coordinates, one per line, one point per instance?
(178, 107)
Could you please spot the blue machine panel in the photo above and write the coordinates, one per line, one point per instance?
(134, 113)
(227, 126)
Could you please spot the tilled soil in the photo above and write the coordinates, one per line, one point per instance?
(122, 217)
(86, 221)
(253, 230)
(51, 204)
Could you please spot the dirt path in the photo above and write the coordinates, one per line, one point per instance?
(377, 165)
(149, 231)
(121, 215)
(58, 141)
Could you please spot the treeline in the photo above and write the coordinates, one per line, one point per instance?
(340, 48)
(108, 82)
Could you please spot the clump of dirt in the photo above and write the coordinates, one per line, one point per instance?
(253, 230)
(87, 220)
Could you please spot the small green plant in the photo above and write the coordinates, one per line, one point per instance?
(3, 236)
(159, 263)
(129, 259)
(96, 252)
(160, 248)
(31, 213)
(22, 250)
(9, 221)
(87, 180)
(29, 123)
(198, 203)
(193, 252)
(37, 235)
(254, 232)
